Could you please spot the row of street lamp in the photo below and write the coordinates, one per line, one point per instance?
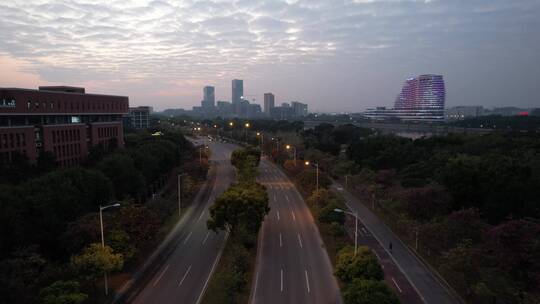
(260, 135)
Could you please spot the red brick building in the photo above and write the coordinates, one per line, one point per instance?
(62, 120)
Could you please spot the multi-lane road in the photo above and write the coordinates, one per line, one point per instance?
(292, 263)
(183, 275)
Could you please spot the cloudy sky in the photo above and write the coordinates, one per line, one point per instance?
(335, 55)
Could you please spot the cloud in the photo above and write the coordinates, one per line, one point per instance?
(216, 40)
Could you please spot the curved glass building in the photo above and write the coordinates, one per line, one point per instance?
(422, 98)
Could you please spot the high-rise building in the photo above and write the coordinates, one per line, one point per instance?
(64, 121)
(209, 97)
(236, 95)
(422, 98)
(299, 109)
(268, 102)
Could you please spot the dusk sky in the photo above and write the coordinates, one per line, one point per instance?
(333, 55)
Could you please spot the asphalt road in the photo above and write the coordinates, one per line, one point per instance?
(292, 264)
(427, 285)
(183, 276)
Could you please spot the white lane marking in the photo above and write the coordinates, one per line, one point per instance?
(213, 268)
(293, 216)
(280, 242)
(299, 240)
(200, 217)
(275, 200)
(277, 215)
(307, 281)
(189, 235)
(395, 283)
(287, 197)
(281, 280)
(162, 273)
(184, 277)
(206, 237)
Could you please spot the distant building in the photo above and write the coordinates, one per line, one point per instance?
(422, 98)
(282, 113)
(253, 111)
(209, 97)
(299, 109)
(505, 111)
(464, 112)
(224, 109)
(237, 92)
(140, 117)
(285, 105)
(64, 121)
(268, 102)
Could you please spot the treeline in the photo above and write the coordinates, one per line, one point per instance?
(498, 122)
(470, 202)
(50, 224)
(239, 211)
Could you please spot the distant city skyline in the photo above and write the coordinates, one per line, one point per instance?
(336, 56)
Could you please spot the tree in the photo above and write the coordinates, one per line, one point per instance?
(62, 292)
(240, 156)
(240, 205)
(363, 265)
(127, 180)
(307, 181)
(362, 291)
(58, 198)
(96, 260)
(20, 276)
(425, 203)
(514, 247)
(140, 223)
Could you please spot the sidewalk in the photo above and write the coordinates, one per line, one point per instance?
(428, 287)
(392, 275)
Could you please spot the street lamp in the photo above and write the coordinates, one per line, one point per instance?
(180, 193)
(317, 172)
(246, 125)
(231, 125)
(355, 214)
(103, 239)
(288, 147)
(261, 141)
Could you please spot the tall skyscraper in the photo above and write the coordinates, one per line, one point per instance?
(268, 102)
(236, 95)
(209, 99)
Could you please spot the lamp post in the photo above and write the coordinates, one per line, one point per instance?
(261, 141)
(231, 125)
(288, 147)
(317, 173)
(180, 193)
(103, 239)
(246, 125)
(355, 214)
